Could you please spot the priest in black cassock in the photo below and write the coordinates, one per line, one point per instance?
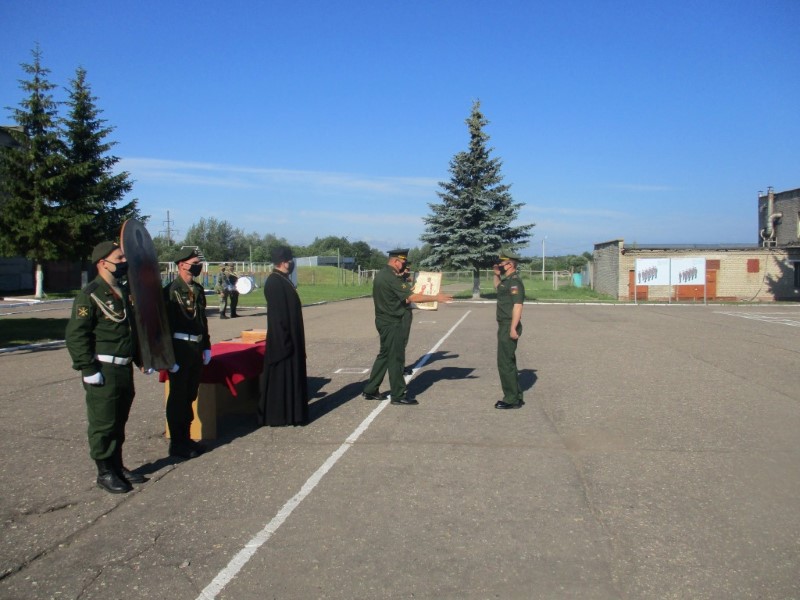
(284, 398)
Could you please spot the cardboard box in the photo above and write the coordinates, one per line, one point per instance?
(253, 336)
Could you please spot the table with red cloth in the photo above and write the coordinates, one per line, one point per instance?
(228, 384)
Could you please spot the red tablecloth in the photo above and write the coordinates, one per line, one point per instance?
(231, 363)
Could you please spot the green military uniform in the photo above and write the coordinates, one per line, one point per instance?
(224, 289)
(408, 318)
(186, 311)
(389, 294)
(101, 338)
(510, 291)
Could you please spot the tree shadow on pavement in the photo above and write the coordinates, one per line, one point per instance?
(436, 356)
(428, 378)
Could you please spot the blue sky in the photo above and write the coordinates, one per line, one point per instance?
(652, 121)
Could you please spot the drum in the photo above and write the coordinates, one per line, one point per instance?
(244, 285)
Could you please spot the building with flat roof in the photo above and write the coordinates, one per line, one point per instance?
(765, 271)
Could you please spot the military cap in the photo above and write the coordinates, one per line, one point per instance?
(508, 254)
(185, 254)
(102, 250)
(281, 254)
(401, 253)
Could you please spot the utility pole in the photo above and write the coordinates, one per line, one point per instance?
(543, 239)
(169, 231)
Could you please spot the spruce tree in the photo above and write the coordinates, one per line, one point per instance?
(92, 193)
(31, 176)
(474, 218)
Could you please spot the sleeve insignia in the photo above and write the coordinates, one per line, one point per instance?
(514, 290)
(83, 312)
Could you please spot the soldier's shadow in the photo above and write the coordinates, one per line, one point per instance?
(326, 403)
(527, 379)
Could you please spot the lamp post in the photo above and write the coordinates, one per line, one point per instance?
(543, 239)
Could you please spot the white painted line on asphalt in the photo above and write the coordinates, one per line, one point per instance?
(242, 557)
(351, 371)
(424, 359)
(776, 318)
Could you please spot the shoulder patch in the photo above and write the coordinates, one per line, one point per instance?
(82, 311)
(514, 289)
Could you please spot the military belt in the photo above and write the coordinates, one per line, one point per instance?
(114, 360)
(188, 338)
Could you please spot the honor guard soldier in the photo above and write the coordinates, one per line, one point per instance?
(510, 299)
(186, 311)
(101, 340)
(391, 295)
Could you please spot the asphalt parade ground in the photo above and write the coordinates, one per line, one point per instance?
(657, 456)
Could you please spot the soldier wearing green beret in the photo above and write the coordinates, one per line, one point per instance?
(510, 299)
(391, 295)
(186, 310)
(101, 340)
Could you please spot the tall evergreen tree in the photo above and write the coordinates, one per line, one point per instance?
(92, 193)
(31, 176)
(474, 218)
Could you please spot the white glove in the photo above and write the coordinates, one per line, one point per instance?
(96, 379)
(206, 356)
(174, 368)
(149, 371)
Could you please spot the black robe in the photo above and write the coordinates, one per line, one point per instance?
(284, 397)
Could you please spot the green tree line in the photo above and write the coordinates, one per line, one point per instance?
(58, 193)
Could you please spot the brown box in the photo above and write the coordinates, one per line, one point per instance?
(253, 336)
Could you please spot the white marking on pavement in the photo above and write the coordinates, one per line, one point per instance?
(351, 370)
(425, 358)
(242, 557)
(767, 318)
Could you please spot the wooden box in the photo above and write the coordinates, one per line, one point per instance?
(253, 336)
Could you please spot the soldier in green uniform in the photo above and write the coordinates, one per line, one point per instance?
(101, 340)
(391, 296)
(408, 317)
(510, 299)
(186, 310)
(224, 289)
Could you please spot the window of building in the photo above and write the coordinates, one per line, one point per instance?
(796, 274)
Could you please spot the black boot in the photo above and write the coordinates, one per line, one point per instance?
(123, 472)
(108, 479)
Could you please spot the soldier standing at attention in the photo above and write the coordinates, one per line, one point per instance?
(391, 295)
(223, 289)
(101, 340)
(186, 310)
(510, 299)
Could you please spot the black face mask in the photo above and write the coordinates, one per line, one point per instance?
(120, 269)
(291, 267)
(195, 269)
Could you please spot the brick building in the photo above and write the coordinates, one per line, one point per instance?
(766, 271)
